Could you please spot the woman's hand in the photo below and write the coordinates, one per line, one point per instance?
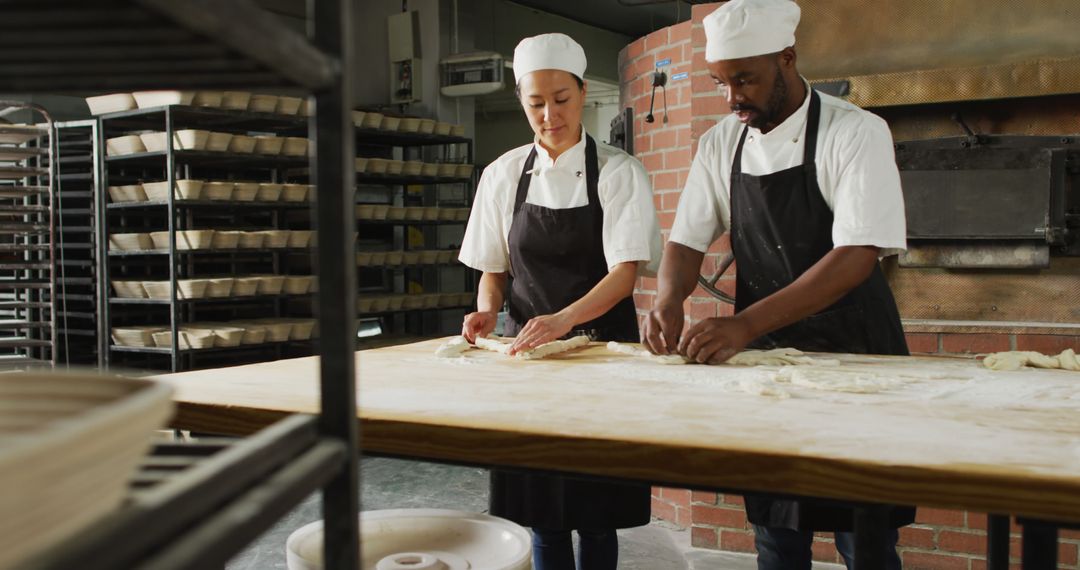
(541, 330)
(478, 325)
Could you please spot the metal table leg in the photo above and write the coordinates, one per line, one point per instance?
(997, 542)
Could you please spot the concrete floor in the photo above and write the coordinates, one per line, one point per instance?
(395, 484)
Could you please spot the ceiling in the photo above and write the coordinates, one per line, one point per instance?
(634, 18)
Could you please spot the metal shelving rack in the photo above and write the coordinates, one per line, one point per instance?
(77, 298)
(127, 45)
(27, 243)
(177, 214)
(396, 278)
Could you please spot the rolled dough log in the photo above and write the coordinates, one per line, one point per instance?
(1017, 359)
(775, 357)
(453, 347)
(542, 351)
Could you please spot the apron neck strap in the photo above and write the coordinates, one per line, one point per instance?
(592, 171)
(523, 181)
(813, 117)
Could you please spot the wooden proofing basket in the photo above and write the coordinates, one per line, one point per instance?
(277, 330)
(68, 446)
(271, 284)
(298, 284)
(246, 286)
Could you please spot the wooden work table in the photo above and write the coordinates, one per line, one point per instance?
(945, 433)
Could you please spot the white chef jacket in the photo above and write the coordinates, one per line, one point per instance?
(856, 171)
(631, 231)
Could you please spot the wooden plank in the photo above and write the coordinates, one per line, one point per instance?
(1047, 296)
(947, 434)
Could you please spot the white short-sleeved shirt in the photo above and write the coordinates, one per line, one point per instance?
(631, 231)
(856, 171)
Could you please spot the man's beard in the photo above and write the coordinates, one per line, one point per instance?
(775, 105)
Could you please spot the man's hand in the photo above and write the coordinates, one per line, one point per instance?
(541, 330)
(478, 325)
(662, 327)
(715, 340)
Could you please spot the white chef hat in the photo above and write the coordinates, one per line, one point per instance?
(549, 51)
(746, 28)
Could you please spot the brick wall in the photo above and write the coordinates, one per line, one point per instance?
(940, 539)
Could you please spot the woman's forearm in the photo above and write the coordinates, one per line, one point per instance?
(489, 296)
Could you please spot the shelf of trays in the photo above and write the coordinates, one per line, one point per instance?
(211, 193)
(374, 127)
(209, 128)
(382, 304)
(236, 110)
(213, 336)
(387, 214)
(397, 172)
(211, 242)
(405, 259)
(209, 148)
(212, 289)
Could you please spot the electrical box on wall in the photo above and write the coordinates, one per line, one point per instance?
(404, 48)
(476, 73)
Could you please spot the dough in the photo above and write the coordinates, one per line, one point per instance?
(778, 357)
(775, 357)
(453, 347)
(769, 357)
(492, 343)
(544, 350)
(835, 380)
(642, 353)
(1069, 360)
(1017, 359)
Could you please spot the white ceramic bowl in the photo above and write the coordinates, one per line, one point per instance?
(422, 538)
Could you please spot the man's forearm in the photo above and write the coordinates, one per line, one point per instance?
(678, 273)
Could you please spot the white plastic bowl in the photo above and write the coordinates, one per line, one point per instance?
(423, 539)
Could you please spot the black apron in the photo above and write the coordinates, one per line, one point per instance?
(780, 227)
(556, 257)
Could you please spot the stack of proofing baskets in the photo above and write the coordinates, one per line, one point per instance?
(68, 446)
